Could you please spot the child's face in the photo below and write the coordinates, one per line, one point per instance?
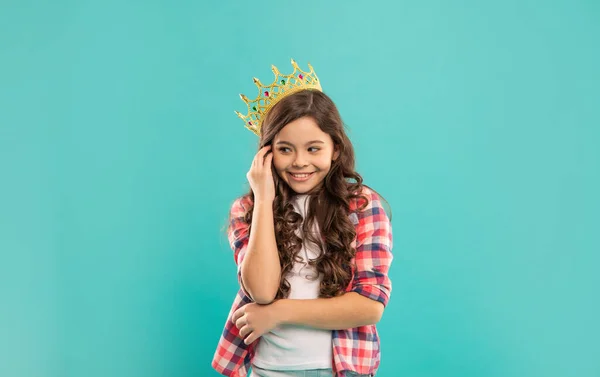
(301, 147)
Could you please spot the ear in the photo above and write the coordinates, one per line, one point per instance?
(336, 153)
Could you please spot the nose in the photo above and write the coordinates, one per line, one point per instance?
(299, 160)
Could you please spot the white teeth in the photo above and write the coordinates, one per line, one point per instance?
(301, 175)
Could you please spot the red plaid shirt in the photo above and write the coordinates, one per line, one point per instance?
(355, 349)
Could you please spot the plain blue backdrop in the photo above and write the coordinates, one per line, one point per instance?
(120, 155)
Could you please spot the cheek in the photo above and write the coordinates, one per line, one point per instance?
(325, 163)
(278, 162)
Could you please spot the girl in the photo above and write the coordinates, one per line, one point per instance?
(313, 252)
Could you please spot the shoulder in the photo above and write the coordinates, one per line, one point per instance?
(369, 206)
(240, 206)
(367, 198)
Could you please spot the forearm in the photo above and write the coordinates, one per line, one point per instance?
(260, 269)
(337, 313)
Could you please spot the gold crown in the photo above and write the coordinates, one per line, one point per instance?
(269, 95)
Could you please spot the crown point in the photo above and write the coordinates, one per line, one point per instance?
(271, 94)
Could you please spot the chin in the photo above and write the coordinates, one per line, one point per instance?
(298, 189)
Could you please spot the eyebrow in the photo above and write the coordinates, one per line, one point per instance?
(310, 142)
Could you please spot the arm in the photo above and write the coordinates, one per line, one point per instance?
(371, 286)
(348, 311)
(362, 305)
(260, 268)
(337, 313)
(256, 253)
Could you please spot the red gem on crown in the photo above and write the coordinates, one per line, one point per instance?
(301, 77)
(266, 94)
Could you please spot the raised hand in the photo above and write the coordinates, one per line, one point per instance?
(260, 175)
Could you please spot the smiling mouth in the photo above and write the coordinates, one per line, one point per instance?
(301, 177)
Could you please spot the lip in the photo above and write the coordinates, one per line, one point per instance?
(290, 174)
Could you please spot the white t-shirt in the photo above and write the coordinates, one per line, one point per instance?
(289, 347)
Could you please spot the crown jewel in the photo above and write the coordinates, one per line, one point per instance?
(269, 95)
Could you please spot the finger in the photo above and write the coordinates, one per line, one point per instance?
(264, 151)
(245, 330)
(260, 155)
(243, 320)
(251, 338)
(237, 314)
(268, 159)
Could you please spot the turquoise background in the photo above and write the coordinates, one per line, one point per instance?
(120, 155)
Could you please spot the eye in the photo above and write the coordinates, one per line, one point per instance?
(315, 148)
(282, 149)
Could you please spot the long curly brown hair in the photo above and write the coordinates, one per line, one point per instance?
(329, 204)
